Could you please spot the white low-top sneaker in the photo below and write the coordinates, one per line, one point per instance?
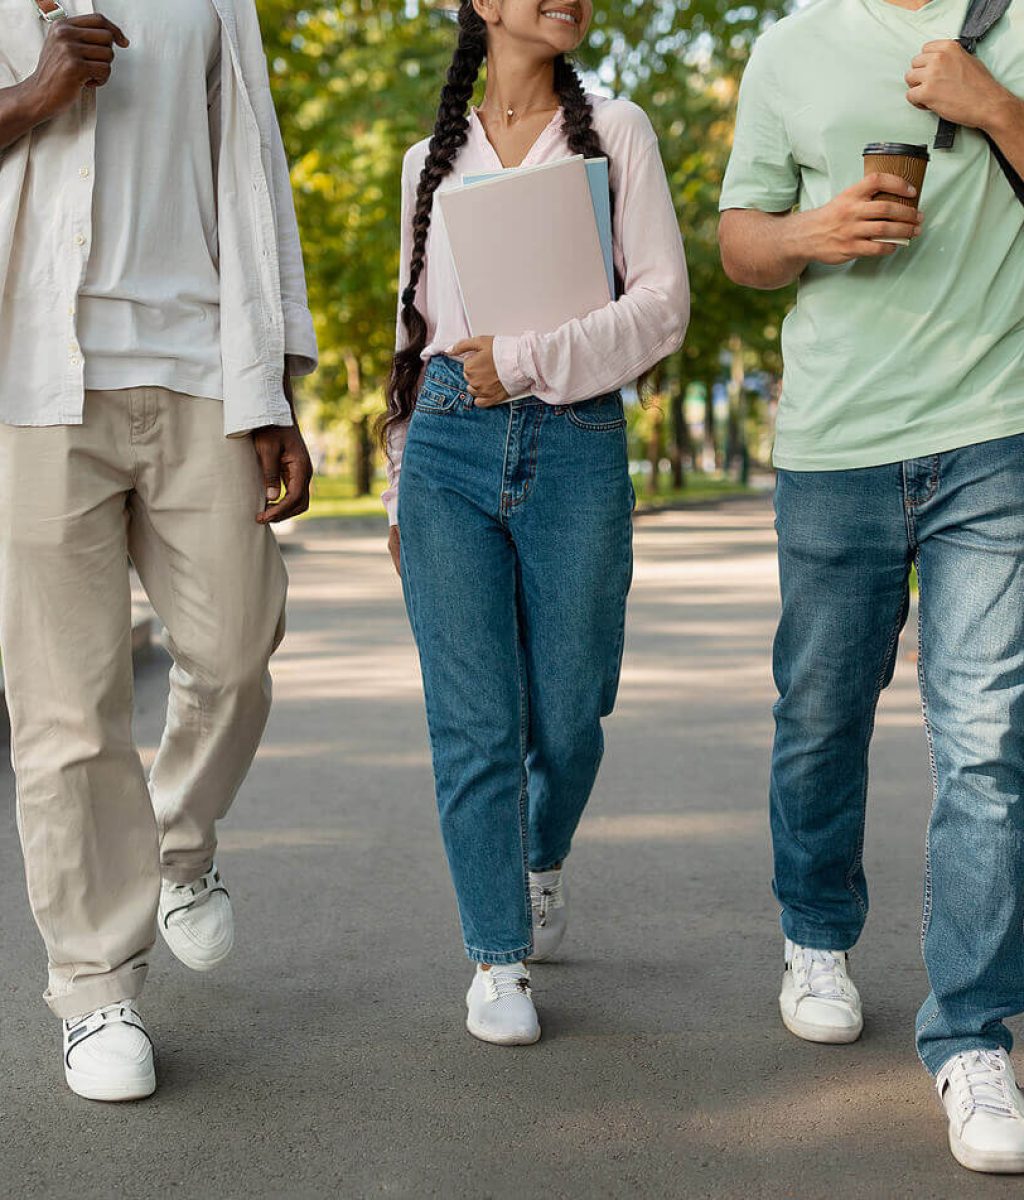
(108, 1054)
(819, 1002)
(550, 912)
(501, 1008)
(986, 1111)
(196, 920)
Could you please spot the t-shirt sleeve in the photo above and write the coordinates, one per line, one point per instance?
(762, 172)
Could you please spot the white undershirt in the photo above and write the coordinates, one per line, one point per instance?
(149, 309)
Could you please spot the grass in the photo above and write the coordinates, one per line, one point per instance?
(334, 495)
(698, 488)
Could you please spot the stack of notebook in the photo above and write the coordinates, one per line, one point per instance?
(532, 246)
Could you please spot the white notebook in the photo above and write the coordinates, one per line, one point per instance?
(526, 249)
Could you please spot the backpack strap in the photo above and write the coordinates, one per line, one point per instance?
(981, 16)
(50, 11)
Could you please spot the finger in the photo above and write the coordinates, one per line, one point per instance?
(296, 496)
(91, 22)
(97, 74)
(469, 346)
(270, 461)
(93, 53)
(889, 210)
(935, 46)
(879, 181)
(914, 77)
(888, 229)
(872, 249)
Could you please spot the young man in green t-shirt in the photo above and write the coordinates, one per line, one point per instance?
(900, 441)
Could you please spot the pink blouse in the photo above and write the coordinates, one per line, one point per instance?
(609, 347)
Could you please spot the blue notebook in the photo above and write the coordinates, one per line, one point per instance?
(597, 177)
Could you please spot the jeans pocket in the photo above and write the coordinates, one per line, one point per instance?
(437, 397)
(603, 412)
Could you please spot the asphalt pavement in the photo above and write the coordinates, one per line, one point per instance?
(328, 1057)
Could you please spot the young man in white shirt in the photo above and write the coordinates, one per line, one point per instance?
(152, 313)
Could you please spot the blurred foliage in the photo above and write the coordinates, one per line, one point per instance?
(357, 83)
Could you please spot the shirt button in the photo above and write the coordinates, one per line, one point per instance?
(75, 360)
(79, 239)
(84, 172)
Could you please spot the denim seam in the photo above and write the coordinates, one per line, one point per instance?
(858, 857)
(502, 507)
(926, 908)
(531, 465)
(519, 950)
(596, 426)
(933, 484)
(524, 734)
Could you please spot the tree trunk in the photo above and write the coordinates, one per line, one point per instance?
(362, 431)
(680, 447)
(710, 442)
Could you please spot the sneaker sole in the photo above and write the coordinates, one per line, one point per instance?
(989, 1162)
(508, 1039)
(199, 964)
(110, 1090)
(825, 1035)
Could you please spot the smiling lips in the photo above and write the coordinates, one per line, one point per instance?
(566, 15)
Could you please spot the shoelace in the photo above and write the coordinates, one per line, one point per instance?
(823, 970)
(543, 898)
(984, 1084)
(192, 895)
(502, 984)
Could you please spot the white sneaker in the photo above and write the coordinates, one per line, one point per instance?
(550, 913)
(196, 920)
(108, 1054)
(819, 1002)
(501, 1006)
(986, 1111)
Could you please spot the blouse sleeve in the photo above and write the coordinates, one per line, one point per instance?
(614, 345)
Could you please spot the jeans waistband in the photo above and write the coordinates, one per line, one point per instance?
(449, 373)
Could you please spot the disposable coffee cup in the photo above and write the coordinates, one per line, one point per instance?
(897, 158)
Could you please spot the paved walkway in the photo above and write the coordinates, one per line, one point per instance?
(328, 1059)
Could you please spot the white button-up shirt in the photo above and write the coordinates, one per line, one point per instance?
(46, 192)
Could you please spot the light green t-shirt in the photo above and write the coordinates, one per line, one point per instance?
(922, 352)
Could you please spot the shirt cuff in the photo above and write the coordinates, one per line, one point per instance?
(506, 363)
(390, 498)
(299, 340)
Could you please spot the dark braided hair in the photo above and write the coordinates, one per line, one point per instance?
(451, 131)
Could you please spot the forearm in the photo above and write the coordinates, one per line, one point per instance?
(1006, 128)
(21, 110)
(765, 250)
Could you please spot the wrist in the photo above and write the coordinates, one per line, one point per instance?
(799, 241)
(33, 102)
(1005, 115)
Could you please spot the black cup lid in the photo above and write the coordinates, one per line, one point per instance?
(904, 148)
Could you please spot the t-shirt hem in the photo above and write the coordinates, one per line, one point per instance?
(200, 385)
(933, 444)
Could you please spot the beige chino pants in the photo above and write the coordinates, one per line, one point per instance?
(148, 475)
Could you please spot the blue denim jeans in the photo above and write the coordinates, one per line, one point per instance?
(516, 529)
(847, 540)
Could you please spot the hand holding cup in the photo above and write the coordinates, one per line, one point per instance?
(851, 225)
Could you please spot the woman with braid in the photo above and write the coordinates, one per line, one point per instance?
(516, 518)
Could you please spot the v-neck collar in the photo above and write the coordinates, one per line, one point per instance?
(553, 126)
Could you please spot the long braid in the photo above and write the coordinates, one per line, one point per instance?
(578, 123)
(451, 130)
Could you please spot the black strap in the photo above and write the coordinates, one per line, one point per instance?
(981, 16)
